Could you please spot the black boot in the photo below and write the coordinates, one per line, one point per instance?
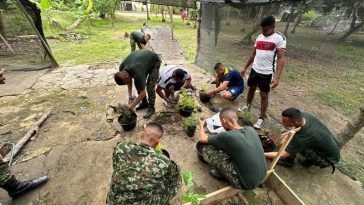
(286, 162)
(214, 173)
(16, 188)
(142, 105)
(305, 162)
(149, 113)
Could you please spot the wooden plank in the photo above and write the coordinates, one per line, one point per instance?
(282, 190)
(219, 194)
(27, 136)
(7, 44)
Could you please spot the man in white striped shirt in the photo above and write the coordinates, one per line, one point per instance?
(267, 58)
(172, 78)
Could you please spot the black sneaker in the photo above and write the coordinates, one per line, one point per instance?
(214, 173)
(149, 113)
(142, 106)
(286, 162)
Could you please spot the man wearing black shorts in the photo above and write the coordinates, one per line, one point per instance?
(267, 58)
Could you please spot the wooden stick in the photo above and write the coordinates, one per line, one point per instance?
(7, 44)
(219, 194)
(27, 136)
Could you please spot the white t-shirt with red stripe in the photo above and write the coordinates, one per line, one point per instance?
(266, 48)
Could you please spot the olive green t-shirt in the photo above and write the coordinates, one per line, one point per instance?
(246, 152)
(138, 38)
(139, 64)
(314, 135)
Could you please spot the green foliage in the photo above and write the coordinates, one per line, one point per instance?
(124, 111)
(247, 116)
(159, 148)
(190, 121)
(190, 196)
(204, 87)
(44, 5)
(309, 16)
(193, 15)
(187, 101)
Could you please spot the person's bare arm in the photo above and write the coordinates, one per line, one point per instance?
(140, 97)
(160, 93)
(142, 46)
(202, 136)
(222, 87)
(280, 65)
(187, 83)
(250, 61)
(271, 155)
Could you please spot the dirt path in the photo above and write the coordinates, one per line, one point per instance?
(75, 144)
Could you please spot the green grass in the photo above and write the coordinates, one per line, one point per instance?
(106, 43)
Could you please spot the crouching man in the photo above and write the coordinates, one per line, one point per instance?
(172, 78)
(138, 38)
(314, 141)
(142, 66)
(14, 187)
(141, 174)
(236, 155)
(228, 79)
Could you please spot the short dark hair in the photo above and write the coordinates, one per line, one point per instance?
(268, 21)
(292, 113)
(148, 35)
(157, 126)
(118, 79)
(217, 65)
(229, 113)
(179, 74)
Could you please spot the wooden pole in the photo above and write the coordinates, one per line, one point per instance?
(45, 45)
(27, 136)
(171, 17)
(7, 44)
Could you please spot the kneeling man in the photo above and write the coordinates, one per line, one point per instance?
(316, 143)
(236, 154)
(172, 78)
(141, 174)
(228, 79)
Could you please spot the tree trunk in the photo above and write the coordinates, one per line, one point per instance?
(198, 21)
(76, 24)
(353, 127)
(246, 17)
(352, 29)
(2, 27)
(256, 25)
(297, 22)
(333, 29)
(228, 17)
(285, 33)
(148, 17)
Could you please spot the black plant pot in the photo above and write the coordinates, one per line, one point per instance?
(199, 147)
(185, 112)
(165, 153)
(204, 98)
(268, 146)
(128, 126)
(243, 122)
(190, 131)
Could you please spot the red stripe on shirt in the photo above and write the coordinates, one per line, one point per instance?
(265, 45)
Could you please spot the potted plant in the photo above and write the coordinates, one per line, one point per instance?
(159, 148)
(203, 96)
(190, 196)
(199, 148)
(186, 104)
(269, 140)
(245, 118)
(127, 118)
(190, 124)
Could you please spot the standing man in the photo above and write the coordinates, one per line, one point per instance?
(138, 38)
(236, 154)
(172, 78)
(314, 141)
(268, 61)
(143, 67)
(141, 174)
(228, 79)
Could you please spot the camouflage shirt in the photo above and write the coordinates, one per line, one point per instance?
(142, 176)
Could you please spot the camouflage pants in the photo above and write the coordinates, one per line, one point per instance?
(132, 45)
(221, 161)
(315, 159)
(151, 83)
(164, 191)
(4, 171)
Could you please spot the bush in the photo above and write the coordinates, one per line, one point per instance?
(309, 16)
(190, 121)
(187, 101)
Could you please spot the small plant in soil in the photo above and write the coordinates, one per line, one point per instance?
(187, 102)
(203, 96)
(245, 118)
(190, 196)
(125, 112)
(190, 124)
(268, 139)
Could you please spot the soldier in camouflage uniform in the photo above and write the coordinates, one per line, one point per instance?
(14, 187)
(142, 175)
(142, 66)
